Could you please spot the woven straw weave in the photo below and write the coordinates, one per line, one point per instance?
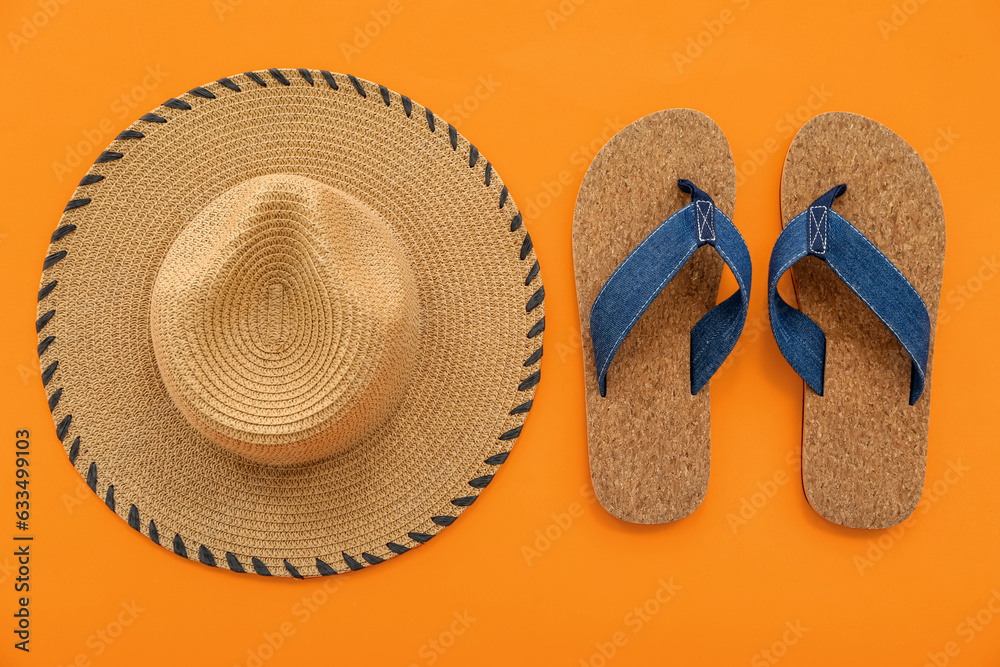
(292, 328)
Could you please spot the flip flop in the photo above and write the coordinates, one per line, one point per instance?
(872, 251)
(647, 292)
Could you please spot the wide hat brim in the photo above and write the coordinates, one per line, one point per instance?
(468, 391)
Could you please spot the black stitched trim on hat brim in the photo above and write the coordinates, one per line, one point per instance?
(200, 96)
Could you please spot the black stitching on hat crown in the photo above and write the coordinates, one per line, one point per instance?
(291, 570)
(521, 409)
(259, 567)
(351, 563)
(473, 155)
(453, 137)
(200, 91)
(396, 548)
(63, 428)
(108, 156)
(53, 259)
(179, 547)
(233, 562)
(205, 556)
(92, 476)
(61, 232)
(535, 300)
(129, 134)
(175, 103)
(307, 75)
(443, 520)
(533, 359)
(75, 204)
(358, 87)
(384, 92)
(324, 569)
(47, 373)
(133, 517)
(153, 118)
(422, 538)
(154, 534)
(44, 292)
(43, 320)
(330, 81)
(465, 501)
(44, 345)
(497, 459)
(430, 118)
(74, 450)
(228, 83)
(54, 399)
(407, 105)
(515, 223)
(489, 172)
(481, 482)
(526, 246)
(511, 434)
(90, 179)
(503, 196)
(530, 381)
(109, 497)
(371, 558)
(279, 77)
(532, 273)
(537, 328)
(256, 79)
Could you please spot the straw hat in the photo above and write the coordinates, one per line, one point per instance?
(290, 323)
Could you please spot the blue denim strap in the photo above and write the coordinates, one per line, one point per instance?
(641, 277)
(823, 233)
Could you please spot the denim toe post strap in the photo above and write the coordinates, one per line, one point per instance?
(823, 233)
(640, 278)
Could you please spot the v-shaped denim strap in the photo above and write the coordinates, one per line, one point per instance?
(823, 233)
(641, 277)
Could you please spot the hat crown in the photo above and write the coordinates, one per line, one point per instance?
(284, 320)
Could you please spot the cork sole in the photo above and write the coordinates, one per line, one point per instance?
(864, 448)
(649, 438)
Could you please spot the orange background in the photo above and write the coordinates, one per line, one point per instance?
(539, 88)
